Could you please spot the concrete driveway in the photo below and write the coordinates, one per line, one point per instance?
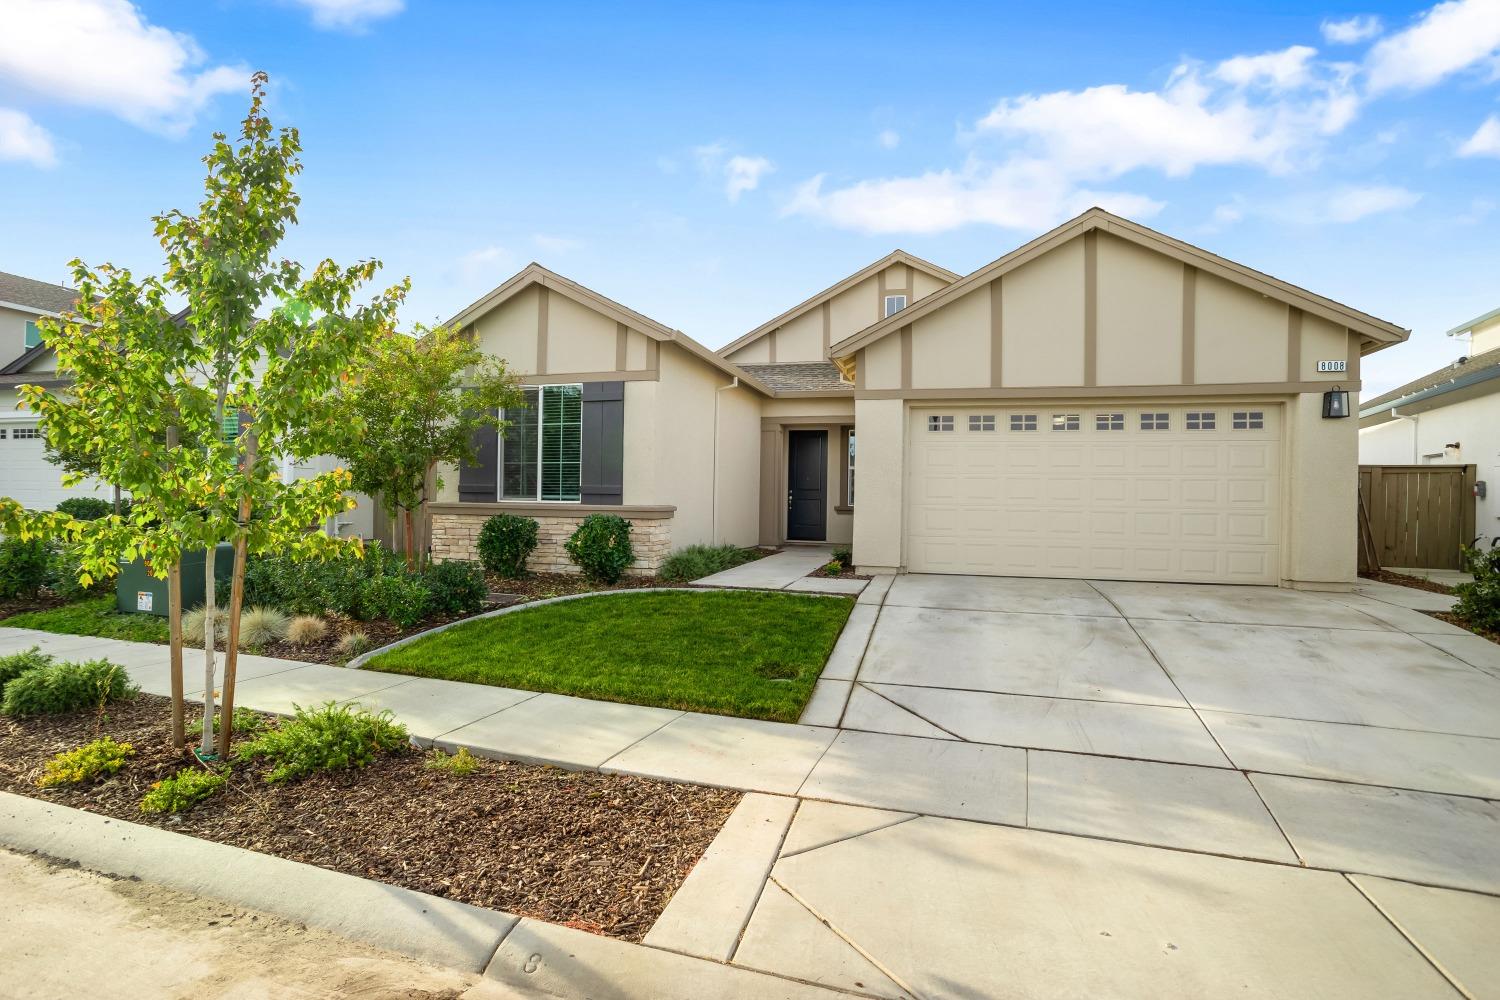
(1049, 788)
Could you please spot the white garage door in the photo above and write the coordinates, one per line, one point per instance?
(27, 476)
(1156, 492)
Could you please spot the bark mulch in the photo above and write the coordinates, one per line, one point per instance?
(540, 586)
(20, 605)
(601, 853)
(1403, 580)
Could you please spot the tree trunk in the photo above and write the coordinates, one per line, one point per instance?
(210, 639)
(174, 616)
(117, 494)
(236, 602)
(411, 539)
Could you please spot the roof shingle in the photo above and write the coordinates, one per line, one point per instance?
(1447, 373)
(809, 376)
(35, 294)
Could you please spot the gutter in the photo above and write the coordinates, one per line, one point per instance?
(1461, 382)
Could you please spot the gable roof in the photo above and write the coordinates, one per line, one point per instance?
(1379, 331)
(536, 274)
(30, 295)
(894, 257)
(799, 377)
(1468, 327)
(22, 362)
(1459, 375)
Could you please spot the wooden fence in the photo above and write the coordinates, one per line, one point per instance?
(1415, 515)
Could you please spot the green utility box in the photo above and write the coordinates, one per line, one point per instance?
(138, 591)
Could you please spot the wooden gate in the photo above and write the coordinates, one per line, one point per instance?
(1415, 515)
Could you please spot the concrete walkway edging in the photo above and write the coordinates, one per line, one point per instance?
(421, 926)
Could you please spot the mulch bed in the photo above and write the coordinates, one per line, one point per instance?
(21, 605)
(601, 853)
(540, 586)
(1403, 580)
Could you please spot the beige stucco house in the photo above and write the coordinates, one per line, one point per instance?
(1104, 401)
(1450, 416)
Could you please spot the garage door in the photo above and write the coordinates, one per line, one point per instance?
(1157, 492)
(27, 477)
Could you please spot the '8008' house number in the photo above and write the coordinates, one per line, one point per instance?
(1331, 366)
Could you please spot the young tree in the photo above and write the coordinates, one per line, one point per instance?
(416, 406)
(233, 391)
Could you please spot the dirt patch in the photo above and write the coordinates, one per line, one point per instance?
(20, 605)
(541, 586)
(1461, 622)
(1403, 580)
(602, 853)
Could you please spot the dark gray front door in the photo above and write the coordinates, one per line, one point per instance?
(807, 486)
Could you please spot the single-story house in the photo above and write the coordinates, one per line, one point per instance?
(1104, 401)
(1447, 417)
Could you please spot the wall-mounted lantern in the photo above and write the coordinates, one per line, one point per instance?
(1336, 403)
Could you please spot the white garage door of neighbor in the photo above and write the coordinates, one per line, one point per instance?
(1146, 492)
(27, 477)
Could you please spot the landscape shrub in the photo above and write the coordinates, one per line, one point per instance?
(351, 644)
(456, 587)
(247, 722)
(260, 626)
(1479, 602)
(506, 541)
(194, 622)
(832, 568)
(25, 567)
(182, 790)
(459, 764)
(62, 576)
(844, 556)
(601, 547)
(304, 630)
(87, 508)
(329, 738)
(98, 759)
(697, 561)
(400, 599)
(16, 664)
(66, 687)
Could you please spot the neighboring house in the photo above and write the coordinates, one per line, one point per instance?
(1450, 416)
(1104, 401)
(25, 473)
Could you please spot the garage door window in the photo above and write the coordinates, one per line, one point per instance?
(982, 422)
(1155, 422)
(1065, 422)
(1249, 420)
(936, 423)
(1109, 421)
(1201, 421)
(1023, 421)
(26, 433)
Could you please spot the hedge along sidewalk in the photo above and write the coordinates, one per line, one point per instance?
(555, 959)
(731, 652)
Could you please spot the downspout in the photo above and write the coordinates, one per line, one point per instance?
(714, 516)
(1416, 456)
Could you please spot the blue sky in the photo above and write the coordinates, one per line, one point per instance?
(712, 164)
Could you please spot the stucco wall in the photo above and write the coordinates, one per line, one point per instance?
(955, 344)
(1140, 315)
(1042, 320)
(1474, 425)
(13, 333)
(738, 468)
(1321, 485)
(881, 428)
(508, 332)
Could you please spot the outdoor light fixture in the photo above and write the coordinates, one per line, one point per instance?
(1336, 403)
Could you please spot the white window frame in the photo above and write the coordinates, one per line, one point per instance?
(1202, 420)
(981, 422)
(541, 405)
(1248, 420)
(891, 310)
(1067, 421)
(849, 461)
(939, 423)
(1022, 423)
(1114, 421)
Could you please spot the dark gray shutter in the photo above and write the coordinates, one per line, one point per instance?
(476, 483)
(603, 442)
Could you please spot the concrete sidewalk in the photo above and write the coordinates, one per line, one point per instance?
(785, 570)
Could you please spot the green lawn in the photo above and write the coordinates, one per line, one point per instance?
(750, 654)
(92, 616)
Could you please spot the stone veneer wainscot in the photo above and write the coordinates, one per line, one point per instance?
(456, 526)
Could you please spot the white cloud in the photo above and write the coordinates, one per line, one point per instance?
(555, 244)
(23, 140)
(739, 173)
(1283, 70)
(888, 138)
(484, 262)
(1485, 141)
(743, 173)
(1350, 204)
(349, 15)
(1021, 194)
(1449, 38)
(1352, 30)
(103, 54)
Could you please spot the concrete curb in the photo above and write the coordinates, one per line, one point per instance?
(423, 927)
(359, 661)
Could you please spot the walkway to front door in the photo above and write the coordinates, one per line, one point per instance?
(807, 486)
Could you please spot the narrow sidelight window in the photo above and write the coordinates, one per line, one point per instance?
(849, 498)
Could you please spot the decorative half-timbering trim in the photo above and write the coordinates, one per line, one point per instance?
(1107, 391)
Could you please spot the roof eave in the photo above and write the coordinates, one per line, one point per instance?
(1467, 327)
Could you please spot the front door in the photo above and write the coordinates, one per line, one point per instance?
(807, 486)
